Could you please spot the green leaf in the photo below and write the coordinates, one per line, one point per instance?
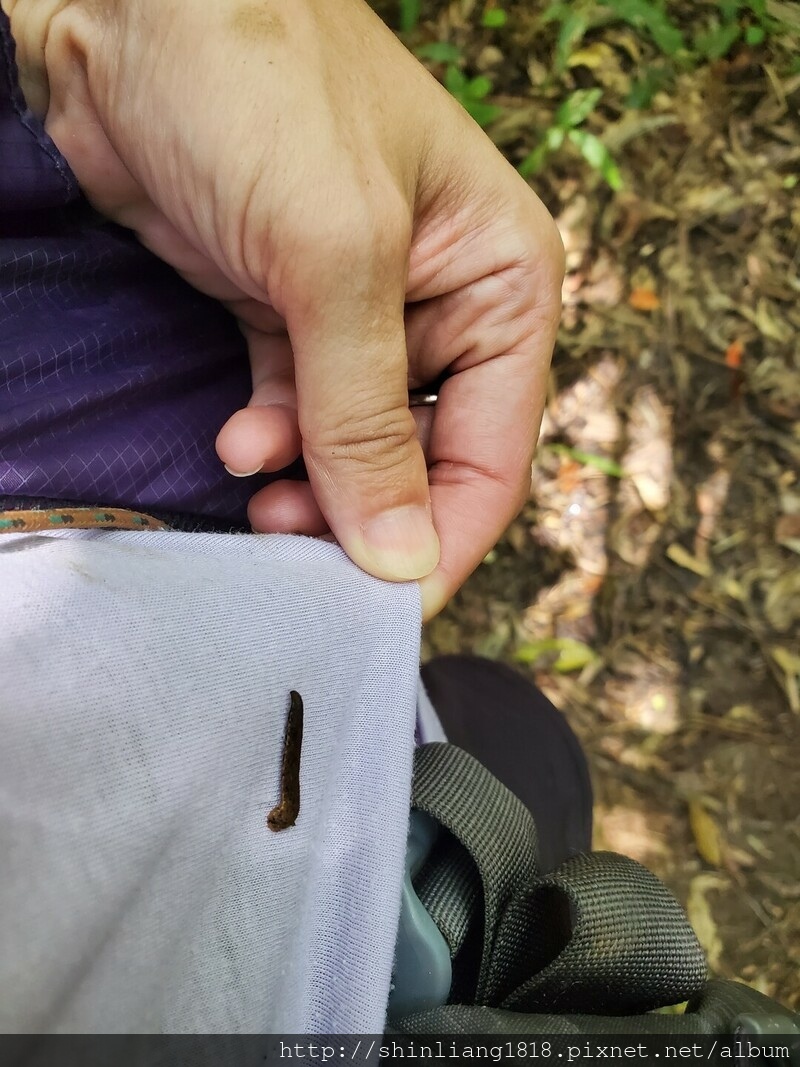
(754, 35)
(588, 459)
(574, 26)
(717, 41)
(455, 81)
(552, 141)
(439, 52)
(647, 14)
(758, 7)
(494, 18)
(729, 9)
(482, 113)
(471, 94)
(555, 13)
(666, 36)
(577, 107)
(532, 163)
(479, 87)
(572, 655)
(598, 156)
(644, 88)
(410, 11)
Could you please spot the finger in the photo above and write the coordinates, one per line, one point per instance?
(345, 318)
(264, 435)
(286, 507)
(259, 439)
(482, 443)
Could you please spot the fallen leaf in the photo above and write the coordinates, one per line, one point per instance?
(706, 833)
(699, 911)
(733, 355)
(593, 56)
(787, 532)
(644, 300)
(782, 602)
(678, 554)
(572, 654)
(711, 496)
(648, 460)
(789, 663)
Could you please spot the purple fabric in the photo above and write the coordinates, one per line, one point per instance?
(115, 375)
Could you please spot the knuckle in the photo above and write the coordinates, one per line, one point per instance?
(378, 442)
(542, 246)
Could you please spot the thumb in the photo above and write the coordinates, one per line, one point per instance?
(345, 315)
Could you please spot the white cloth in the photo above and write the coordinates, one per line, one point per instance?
(144, 686)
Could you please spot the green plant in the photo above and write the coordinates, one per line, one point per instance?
(567, 653)
(588, 459)
(568, 125)
(644, 87)
(733, 20)
(576, 19)
(439, 52)
(471, 93)
(494, 18)
(747, 20)
(410, 11)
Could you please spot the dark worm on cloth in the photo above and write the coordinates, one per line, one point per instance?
(285, 813)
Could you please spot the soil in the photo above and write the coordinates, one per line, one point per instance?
(651, 586)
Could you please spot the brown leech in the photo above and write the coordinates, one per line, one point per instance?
(285, 814)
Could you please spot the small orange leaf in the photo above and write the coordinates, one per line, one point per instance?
(733, 355)
(644, 300)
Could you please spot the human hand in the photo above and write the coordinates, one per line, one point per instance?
(297, 163)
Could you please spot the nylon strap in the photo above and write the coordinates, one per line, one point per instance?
(588, 948)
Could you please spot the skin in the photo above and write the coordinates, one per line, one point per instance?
(294, 161)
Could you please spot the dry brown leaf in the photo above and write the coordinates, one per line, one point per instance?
(787, 532)
(782, 603)
(711, 496)
(603, 286)
(648, 460)
(575, 227)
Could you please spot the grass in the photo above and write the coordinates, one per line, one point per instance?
(573, 28)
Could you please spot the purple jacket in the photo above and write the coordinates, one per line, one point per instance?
(115, 375)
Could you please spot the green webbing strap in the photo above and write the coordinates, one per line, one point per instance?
(584, 949)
